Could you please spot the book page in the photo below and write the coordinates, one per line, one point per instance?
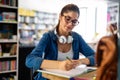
(68, 74)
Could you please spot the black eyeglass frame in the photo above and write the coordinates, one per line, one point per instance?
(74, 22)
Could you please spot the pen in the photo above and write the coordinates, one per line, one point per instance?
(69, 59)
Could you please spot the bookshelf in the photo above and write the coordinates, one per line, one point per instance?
(32, 24)
(8, 39)
(113, 13)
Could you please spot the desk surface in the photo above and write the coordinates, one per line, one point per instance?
(88, 76)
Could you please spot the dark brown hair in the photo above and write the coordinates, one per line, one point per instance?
(106, 57)
(70, 7)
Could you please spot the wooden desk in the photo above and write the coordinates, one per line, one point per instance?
(86, 76)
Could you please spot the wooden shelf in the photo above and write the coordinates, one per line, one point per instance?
(9, 22)
(9, 39)
(11, 56)
(6, 6)
(11, 71)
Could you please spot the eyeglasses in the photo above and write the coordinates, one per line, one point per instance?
(68, 20)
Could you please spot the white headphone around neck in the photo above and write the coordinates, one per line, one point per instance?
(62, 39)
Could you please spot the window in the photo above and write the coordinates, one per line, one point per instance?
(86, 27)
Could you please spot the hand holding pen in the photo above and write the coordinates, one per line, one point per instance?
(69, 59)
(68, 64)
(75, 62)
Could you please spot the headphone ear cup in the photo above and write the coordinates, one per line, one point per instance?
(70, 39)
(62, 39)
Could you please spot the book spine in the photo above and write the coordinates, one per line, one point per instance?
(0, 50)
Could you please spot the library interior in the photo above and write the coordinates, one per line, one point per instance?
(24, 23)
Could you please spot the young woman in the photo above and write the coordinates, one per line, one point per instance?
(62, 42)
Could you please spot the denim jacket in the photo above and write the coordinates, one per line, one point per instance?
(48, 47)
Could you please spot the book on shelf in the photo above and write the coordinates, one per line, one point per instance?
(10, 77)
(0, 1)
(13, 49)
(68, 74)
(8, 49)
(0, 50)
(8, 2)
(7, 65)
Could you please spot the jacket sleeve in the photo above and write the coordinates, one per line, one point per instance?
(34, 59)
(87, 51)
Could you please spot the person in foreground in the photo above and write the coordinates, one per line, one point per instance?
(106, 55)
(59, 43)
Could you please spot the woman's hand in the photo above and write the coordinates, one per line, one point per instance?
(68, 65)
(85, 61)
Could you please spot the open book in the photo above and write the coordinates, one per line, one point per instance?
(68, 74)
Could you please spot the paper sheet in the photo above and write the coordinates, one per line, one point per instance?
(68, 74)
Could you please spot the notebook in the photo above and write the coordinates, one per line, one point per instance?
(68, 74)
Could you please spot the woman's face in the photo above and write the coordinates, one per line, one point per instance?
(68, 21)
